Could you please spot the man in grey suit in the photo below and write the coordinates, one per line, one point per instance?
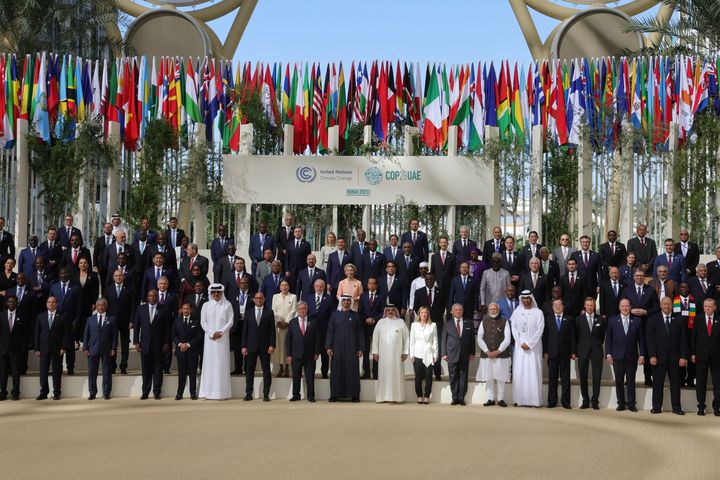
(100, 343)
(644, 248)
(457, 347)
(563, 252)
(263, 267)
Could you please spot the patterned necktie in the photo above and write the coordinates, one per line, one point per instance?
(317, 301)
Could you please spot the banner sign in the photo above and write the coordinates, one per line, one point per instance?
(358, 180)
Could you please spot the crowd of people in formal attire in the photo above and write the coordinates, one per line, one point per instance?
(361, 309)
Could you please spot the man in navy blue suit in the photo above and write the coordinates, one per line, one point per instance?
(258, 341)
(371, 308)
(643, 303)
(26, 259)
(558, 345)
(152, 340)
(302, 349)
(187, 335)
(51, 333)
(258, 243)
(393, 250)
(509, 303)
(218, 248)
(271, 283)
(624, 347)
(51, 251)
(674, 261)
(336, 265)
(145, 227)
(392, 286)
(119, 296)
(152, 274)
(373, 262)
(100, 344)
(65, 233)
(298, 250)
(464, 290)
(418, 239)
(588, 266)
(462, 246)
(67, 295)
(357, 253)
(320, 307)
(306, 277)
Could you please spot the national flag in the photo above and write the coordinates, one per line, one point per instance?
(516, 113)
(269, 101)
(477, 123)
(433, 113)
(576, 104)
(491, 104)
(27, 88)
(503, 99)
(191, 94)
(41, 117)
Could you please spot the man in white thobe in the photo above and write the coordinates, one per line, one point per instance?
(216, 319)
(527, 324)
(494, 341)
(390, 348)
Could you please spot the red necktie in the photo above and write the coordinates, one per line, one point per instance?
(457, 323)
(669, 261)
(302, 326)
(709, 326)
(192, 260)
(572, 280)
(237, 280)
(75, 256)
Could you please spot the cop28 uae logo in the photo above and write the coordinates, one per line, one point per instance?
(305, 174)
(373, 175)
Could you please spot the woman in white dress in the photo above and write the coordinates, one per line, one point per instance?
(423, 353)
(325, 251)
(216, 318)
(283, 305)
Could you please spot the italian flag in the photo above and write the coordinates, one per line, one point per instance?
(432, 128)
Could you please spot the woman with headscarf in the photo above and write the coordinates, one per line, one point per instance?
(216, 318)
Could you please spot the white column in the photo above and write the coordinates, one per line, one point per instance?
(366, 219)
(493, 211)
(200, 209)
(288, 139)
(451, 220)
(626, 187)
(334, 221)
(334, 138)
(452, 141)
(113, 183)
(22, 184)
(367, 134)
(584, 200)
(672, 226)
(409, 133)
(536, 174)
(243, 214)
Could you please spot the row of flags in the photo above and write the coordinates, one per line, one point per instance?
(568, 99)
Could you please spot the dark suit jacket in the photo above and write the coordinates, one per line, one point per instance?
(98, 254)
(152, 336)
(387, 253)
(256, 248)
(409, 273)
(68, 304)
(268, 288)
(398, 292)
(43, 280)
(151, 236)
(121, 308)
(201, 261)
(691, 259)
(142, 259)
(374, 310)
(420, 248)
(620, 345)
(437, 309)
(706, 348)
(321, 314)
(558, 343)
(516, 267)
(696, 289)
(230, 283)
(100, 340)
(258, 338)
(665, 345)
(54, 254)
(13, 341)
(591, 273)
(168, 253)
(357, 258)
(643, 254)
(648, 301)
(281, 240)
(191, 333)
(299, 346)
(553, 274)
(526, 254)
(64, 239)
(462, 254)
(454, 347)
(335, 270)
(574, 296)
(609, 303)
(467, 297)
(111, 258)
(297, 256)
(489, 248)
(149, 282)
(443, 272)
(677, 273)
(7, 246)
(304, 285)
(26, 260)
(607, 259)
(589, 343)
(51, 340)
(168, 235)
(72, 267)
(372, 268)
(541, 290)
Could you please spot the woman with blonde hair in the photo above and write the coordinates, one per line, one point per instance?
(325, 251)
(350, 286)
(284, 307)
(423, 353)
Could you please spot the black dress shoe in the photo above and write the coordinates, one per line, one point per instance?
(489, 403)
(596, 406)
(42, 396)
(678, 412)
(3, 396)
(144, 396)
(584, 406)
(655, 410)
(454, 402)
(247, 398)
(71, 371)
(502, 403)
(295, 399)
(56, 397)
(551, 405)
(178, 397)
(620, 408)
(332, 399)
(15, 397)
(648, 383)
(633, 408)
(106, 397)
(311, 400)
(567, 407)
(366, 376)
(355, 399)
(438, 377)
(123, 371)
(325, 376)
(716, 412)
(266, 398)
(236, 372)
(701, 411)
(461, 402)
(91, 397)
(193, 396)
(690, 384)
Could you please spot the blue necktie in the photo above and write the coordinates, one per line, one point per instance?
(557, 321)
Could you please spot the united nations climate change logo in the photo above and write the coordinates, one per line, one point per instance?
(305, 174)
(373, 175)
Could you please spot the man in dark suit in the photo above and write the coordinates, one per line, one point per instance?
(431, 297)
(187, 335)
(146, 228)
(239, 293)
(320, 307)
(271, 283)
(100, 343)
(298, 250)
(373, 262)
(689, 250)
(357, 252)
(282, 236)
(610, 294)
(644, 248)
(237, 269)
(143, 260)
(258, 341)
(558, 345)
(493, 245)
(161, 246)
(67, 297)
(67, 231)
(392, 251)
(574, 289)
(51, 333)
(588, 350)
(675, 263)
(371, 308)
(549, 268)
(612, 254)
(407, 264)
(26, 259)
(685, 308)
(112, 252)
(152, 275)
(442, 264)
(152, 339)
(225, 264)
(511, 260)
(461, 248)
(336, 265)
(218, 249)
(643, 303)
(119, 296)
(457, 348)
(302, 349)
(464, 291)
(51, 251)
(418, 240)
(588, 265)
(71, 257)
(705, 354)
(508, 303)
(668, 348)
(393, 288)
(534, 281)
(98, 255)
(700, 285)
(39, 284)
(7, 243)
(624, 347)
(13, 328)
(258, 244)
(193, 258)
(168, 301)
(173, 233)
(306, 277)
(28, 306)
(530, 250)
